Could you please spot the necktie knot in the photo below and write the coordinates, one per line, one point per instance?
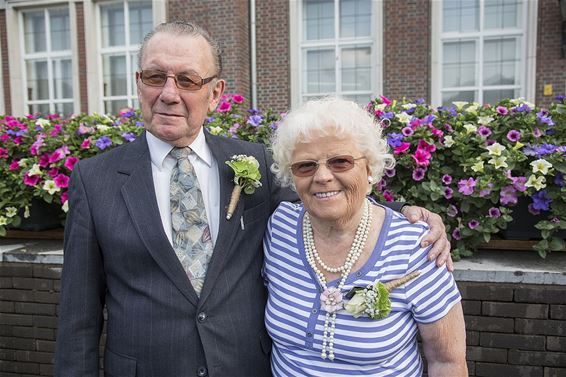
(180, 153)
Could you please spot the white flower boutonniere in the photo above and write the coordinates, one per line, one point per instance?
(246, 177)
(373, 300)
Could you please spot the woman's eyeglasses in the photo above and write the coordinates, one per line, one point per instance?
(183, 81)
(336, 164)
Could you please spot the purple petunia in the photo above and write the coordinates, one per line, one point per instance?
(494, 212)
(456, 234)
(129, 136)
(447, 179)
(541, 201)
(508, 195)
(419, 174)
(407, 131)
(103, 142)
(255, 120)
(559, 179)
(448, 193)
(514, 135)
(394, 139)
(452, 211)
(524, 108)
(543, 117)
(466, 186)
(473, 224)
(484, 131)
(502, 110)
(390, 172)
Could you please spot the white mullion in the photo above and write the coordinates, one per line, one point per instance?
(50, 79)
(480, 52)
(337, 51)
(24, 65)
(127, 50)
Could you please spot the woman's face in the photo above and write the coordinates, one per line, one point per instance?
(331, 196)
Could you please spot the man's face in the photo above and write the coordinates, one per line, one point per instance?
(171, 114)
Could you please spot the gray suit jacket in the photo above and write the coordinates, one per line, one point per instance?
(117, 254)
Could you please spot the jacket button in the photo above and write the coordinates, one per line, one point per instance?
(201, 318)
(202, 372)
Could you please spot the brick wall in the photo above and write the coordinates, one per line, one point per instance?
(512, 329)
(7, 93)
(83, 83)
(551, 66)
(273, 67)
(226, 21)
(406, 49)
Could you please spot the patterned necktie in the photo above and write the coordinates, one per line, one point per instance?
(191, 234)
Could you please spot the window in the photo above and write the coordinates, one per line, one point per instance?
(123, 26)
(47, 61)
(337, 49)
(482, 50)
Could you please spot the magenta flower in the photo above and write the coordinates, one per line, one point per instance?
(473, 224)
(53, 172)
(85, 144)
(508, 195)
(421, 157)
(484, 131)
(70, 162)
(407, 131)
(385, 100)
(18, 140)
(388, 196)
(466, 186)
(514, 135)
(4, 137)
(64, 197)
(448, 128)
(14, 165)
(238, 98)
(494, 212)
(57, 155)
(61, 181)
(31, 180)
(426, 146)
(502, 110)
(224, 107)
(448, 193)
(436, 132)
(404, 146)
(447, 179)
(418, 174)
(3, 153)
(44, 160)
(456, 234)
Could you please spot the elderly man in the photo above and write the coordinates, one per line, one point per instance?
(147, 234)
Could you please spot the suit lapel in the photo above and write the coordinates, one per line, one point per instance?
(227, 229)
(139, 195)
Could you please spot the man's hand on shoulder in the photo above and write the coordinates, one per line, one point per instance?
(437, 235)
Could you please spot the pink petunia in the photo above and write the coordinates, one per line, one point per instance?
(44, 160)
(404, 146)
(64, 197)
(238, 98)
(3, 153)
(31, 180)
(224, 107)
(419, 174)
(436, 132)
(466, 186)
(57, 155)
(421, 157)
(61, 181)
(385, 100)
(53, 172)
(426, 146)
(388, 196)
(14, 165)
(18, 140)
(70, 162)
(502, 110)
(85, 144)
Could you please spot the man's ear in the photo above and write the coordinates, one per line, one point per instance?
(216, 94)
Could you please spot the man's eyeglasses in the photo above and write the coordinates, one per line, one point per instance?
(183, 81)
(336, 164)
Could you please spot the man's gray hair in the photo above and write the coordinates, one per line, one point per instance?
(184, 28)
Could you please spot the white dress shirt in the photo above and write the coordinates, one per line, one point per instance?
(206, 169)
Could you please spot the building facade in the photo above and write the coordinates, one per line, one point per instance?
(80, 56)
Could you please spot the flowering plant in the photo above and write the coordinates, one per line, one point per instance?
(37, 155)
(471, 164)
(246, 177)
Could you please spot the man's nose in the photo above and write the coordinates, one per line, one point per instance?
(170, 92)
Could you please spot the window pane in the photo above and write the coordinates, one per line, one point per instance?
(355, 18)
(34, 31)
(494, 96)
(502, 14)
(37, 80)
(115, 82)
(356, 69)
(141, 20)
(132, 74)
(460, 15)
(449, 97)
(459, 64)
(360, 99)
(318, 19)
(60, 29)
(64, 108)
(63, 78)
(113, 30)
(114, 106)
(500, 61)
(39, 108)
(319, 74)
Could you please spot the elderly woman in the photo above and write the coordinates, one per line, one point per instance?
(332, 267)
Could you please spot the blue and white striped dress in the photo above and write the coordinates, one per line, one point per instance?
(362, 346)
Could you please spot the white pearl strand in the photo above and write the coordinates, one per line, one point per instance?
(312, 255)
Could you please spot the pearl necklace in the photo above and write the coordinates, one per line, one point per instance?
(331, 298)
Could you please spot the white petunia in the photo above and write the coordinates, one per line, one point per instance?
(541, 166)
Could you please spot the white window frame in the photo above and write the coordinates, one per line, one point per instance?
(16, 50)
(527, 37)
(93, 41)
(298, 49)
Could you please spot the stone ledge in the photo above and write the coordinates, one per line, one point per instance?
(524, 267)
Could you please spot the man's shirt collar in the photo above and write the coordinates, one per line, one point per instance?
(159, 149)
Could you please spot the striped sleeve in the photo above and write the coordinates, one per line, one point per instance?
(434, 292)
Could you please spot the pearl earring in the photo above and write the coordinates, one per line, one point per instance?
(370, 179)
